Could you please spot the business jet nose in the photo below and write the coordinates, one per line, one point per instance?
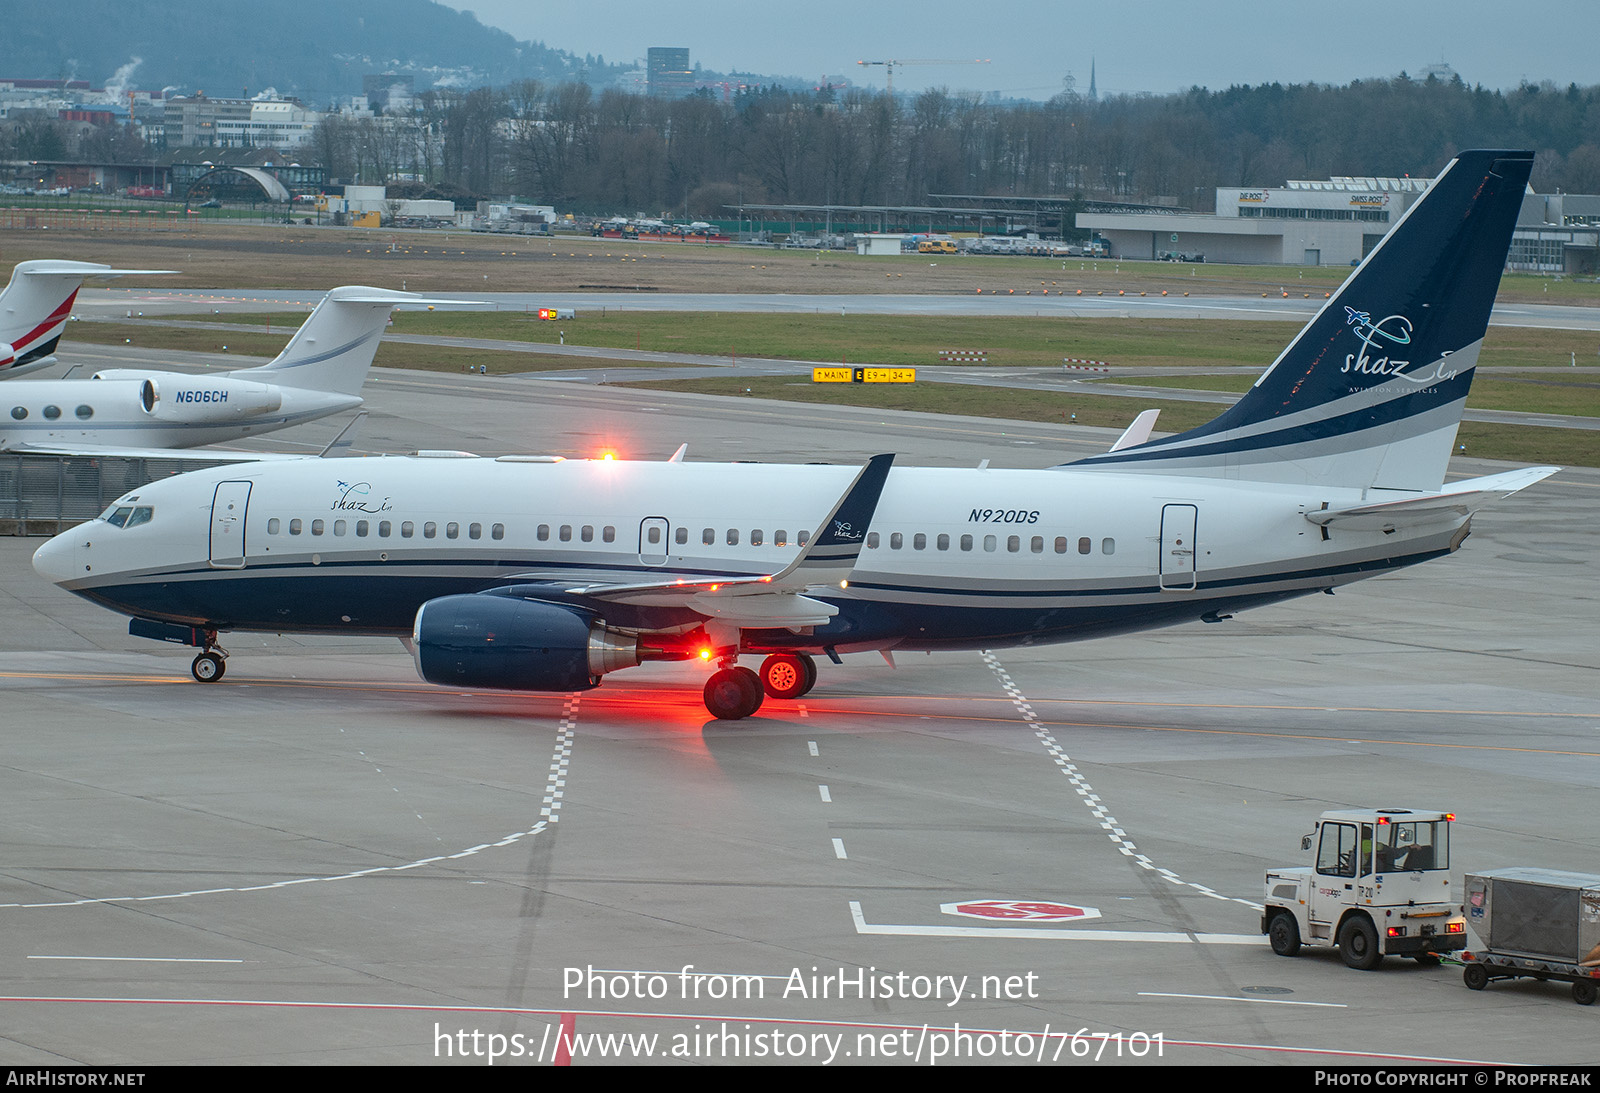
(63, 557)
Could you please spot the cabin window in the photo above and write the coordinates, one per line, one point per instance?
(498, 531)
(680, 535)
(780, 538)
(294, 527)
(1084, 544)
(339, 526)
(652, 535)
(84, 412)
(733, 536)
(362, 528)
(608, 534)
(407, 529)
(897, 541)
(919, 541)
(19, 412)
(543, 533)
(1036, 544)
(755, 537)
(1108, 546)
(803, 538)
(384, 528)
(52, 412)
(942, 542)
(273, 525)
(586, 533)
(708, 536)
(565, 534)
(1013, 543)
(989, 543)
(317, 527)
(872, 540)
(966, 542)
(452, 530)
(474, 531)
(1061, 544)
(430, 530)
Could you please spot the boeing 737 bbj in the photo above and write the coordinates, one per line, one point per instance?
(543, 574)
(132, 411)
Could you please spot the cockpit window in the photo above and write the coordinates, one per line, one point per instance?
(129, 516)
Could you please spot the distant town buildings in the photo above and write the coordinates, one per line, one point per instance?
(669, 73)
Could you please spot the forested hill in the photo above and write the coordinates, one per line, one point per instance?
(314, 49)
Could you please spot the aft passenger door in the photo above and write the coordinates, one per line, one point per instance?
(1177, 547)
(228, 509)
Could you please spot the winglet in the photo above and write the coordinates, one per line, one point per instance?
(340, 445)
(831, 553)
(1138, 432)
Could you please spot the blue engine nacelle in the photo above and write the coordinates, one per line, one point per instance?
(515, 645)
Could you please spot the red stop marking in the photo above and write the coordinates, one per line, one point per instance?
(1032, 910)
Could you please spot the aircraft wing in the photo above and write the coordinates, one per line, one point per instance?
(1463, 499)
(773, 599)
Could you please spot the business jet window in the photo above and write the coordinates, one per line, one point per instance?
(680, 535)
(1036, 544)
(733, 536)
(566, 533)
(897, 541)
(339, 526)
(586, 533)
(474, 531)
(872, 540)
(1084, 544)
(362, 527)
(780, 538)
(84, 412)
(803, 538)
(273, 525)
(294, 527)
(1013, 543)
(407, 529)
(1061, 544)
(430, 530)
(919, 541)
(316, 527)
(708, 537)
(52, 412)
(1108, 546)
(942, 542)
(452, 530)
(989, 542)
(384, 528)
(543, 534)
(497, 532)
(755, 537)
(966, 542)
(19, 412)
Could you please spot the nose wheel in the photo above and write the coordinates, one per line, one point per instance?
(208, 667)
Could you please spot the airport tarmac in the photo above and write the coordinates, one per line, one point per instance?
(323, 860)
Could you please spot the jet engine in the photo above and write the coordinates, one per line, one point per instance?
(516, 645)
(196, 399)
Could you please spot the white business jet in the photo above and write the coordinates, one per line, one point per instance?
(35, 306)
(544, 574)
(133, 411)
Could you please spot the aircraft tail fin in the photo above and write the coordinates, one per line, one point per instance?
(334, 347)
(1370, 392)
(35, 306)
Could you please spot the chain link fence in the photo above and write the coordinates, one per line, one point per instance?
(46, 494)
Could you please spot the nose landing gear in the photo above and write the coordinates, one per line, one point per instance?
(210, 664)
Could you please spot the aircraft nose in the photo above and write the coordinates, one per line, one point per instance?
(63, 557)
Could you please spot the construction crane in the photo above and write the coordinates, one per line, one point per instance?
(889, 66)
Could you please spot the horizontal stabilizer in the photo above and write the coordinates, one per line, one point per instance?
(1463, 499)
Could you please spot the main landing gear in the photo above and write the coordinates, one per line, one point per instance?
(734, 692)
(210, 664)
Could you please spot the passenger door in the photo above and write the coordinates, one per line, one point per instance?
(228, 508)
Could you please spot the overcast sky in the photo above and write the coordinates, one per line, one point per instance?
(1150, 45)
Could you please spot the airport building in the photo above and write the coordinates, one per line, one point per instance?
(199, 122)
(1336, 222)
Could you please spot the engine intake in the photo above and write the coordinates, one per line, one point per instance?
(516, 645)
(181, 398)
